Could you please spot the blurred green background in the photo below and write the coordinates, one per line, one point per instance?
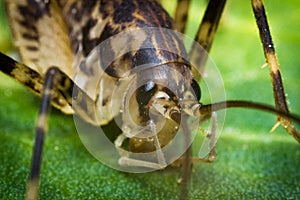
(251, 162)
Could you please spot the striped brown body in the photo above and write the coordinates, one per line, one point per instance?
(80, 26)
(65, 34)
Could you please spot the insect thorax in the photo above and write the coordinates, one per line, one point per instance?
(142, 74)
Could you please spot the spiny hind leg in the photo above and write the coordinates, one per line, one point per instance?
(272, 61)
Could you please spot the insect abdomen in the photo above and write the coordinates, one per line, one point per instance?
(92, 22)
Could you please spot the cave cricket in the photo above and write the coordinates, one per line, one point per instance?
(73, 29)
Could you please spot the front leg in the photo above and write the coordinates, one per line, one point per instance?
(126, 160)
(55, 88)
(51, 79)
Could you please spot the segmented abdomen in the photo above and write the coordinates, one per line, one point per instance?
(92, 22)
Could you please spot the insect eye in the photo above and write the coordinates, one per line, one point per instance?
(145, 92)
(196, 89)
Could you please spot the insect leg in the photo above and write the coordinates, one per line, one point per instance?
(272, 61)
(187, 160)
(181, 14)
(68, 93)
(212, 142)
(206, 34)
(41, 129)
(35, 82)
(159, 152)
(31, 80)
(212, 137)
(125, 159)
(28, 77)
(187, 164)
(56, 88)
